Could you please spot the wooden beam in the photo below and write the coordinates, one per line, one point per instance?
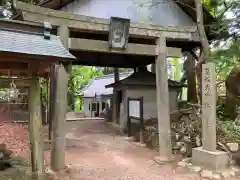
(21, 57)
(78, 44)
(4, 82)
(36, 130)
(59, 119)
(65, 15)
(22, 26)
(39, 14)
(63, 33)
(19, 68)
(172, 33)
(13, 65)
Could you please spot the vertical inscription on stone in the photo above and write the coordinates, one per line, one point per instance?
(209, 106)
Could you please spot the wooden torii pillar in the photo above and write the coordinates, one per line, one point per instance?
(164, 129)
(60, 109)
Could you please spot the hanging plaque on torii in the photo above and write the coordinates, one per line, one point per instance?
(118, 33)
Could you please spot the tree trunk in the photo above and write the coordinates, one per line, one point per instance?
(202, 33)
(232, 92)
(190, 77)
(199, 80)
(206, 55)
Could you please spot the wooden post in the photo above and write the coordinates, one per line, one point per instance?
(59, 119)
(164, 129)
(63, 32)
(36, 130)
(128, 120)
(141, 134)
(70, 93)
(60, 108)
(191, 79)
(47, 101)
(115, 105)
(41, 100)
(52, 98)
(100, 105)
(91, 108)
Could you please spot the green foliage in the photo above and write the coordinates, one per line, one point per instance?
(226, 58)
(230, 129)
(177, 73)
(82, 74)
(80, 77)
(211, 5)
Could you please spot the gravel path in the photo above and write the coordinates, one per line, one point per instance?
(96, 152)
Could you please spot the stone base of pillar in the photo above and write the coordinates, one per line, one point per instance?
(215, 161)
(163, 160)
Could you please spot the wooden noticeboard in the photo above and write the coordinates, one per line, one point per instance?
(135, 112)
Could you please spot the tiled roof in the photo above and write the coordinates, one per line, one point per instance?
(145, 78)
(32, 44)
(104, 85)
(97, 85)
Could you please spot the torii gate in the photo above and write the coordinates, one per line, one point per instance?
(87, 39)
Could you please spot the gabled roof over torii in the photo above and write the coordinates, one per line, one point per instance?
(87, 37)
(161, 12)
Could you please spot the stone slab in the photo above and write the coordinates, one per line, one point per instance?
(128, 138)
(163, 160)
(139, 144)
(215, 161)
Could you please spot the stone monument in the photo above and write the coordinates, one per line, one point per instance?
(208, 156)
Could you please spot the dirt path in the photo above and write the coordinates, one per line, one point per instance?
(95, 152)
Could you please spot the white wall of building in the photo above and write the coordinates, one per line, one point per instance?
(149, 103)
(86, 107)
(88, 101)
